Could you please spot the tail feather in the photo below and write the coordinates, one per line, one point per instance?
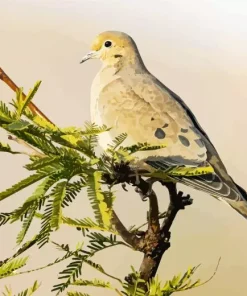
(216, 186)
(241, 190)
(234, 195)
(241, 205)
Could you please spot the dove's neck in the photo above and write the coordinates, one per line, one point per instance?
(129, 60)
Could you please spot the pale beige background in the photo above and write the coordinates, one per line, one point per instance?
(198, 49)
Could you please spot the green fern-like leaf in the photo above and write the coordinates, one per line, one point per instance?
(43, 123)
(179, 283)
(10, 266)
(94, 283)
(58, 195)
(100, 201)
(46, 224)
(18, 125)
(70, 274)
(75, 293)
(4, 218)
(72, 190)
(21, 185)
(94, 265)
(7, 292)
(34, 200)
(89, 130)
(141, 147)
(39, 163)
(22, 103)
(118, 141)
(30, 291)
(6, 116)
(26, 224)
(86, 223)
(93, 129)
(99, 242)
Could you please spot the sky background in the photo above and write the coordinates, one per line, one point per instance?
(197, 49)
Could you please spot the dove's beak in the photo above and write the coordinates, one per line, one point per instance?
(90, 55)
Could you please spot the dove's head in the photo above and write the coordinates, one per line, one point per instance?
(114, 48)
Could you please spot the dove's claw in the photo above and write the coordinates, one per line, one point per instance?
(124, 187)
(142, 195)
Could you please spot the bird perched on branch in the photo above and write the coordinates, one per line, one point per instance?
(128, 98)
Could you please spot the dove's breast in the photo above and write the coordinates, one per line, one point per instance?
(105, 77)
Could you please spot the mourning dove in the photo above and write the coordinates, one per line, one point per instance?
(128, 98)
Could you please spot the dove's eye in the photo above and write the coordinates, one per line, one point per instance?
(108, 43)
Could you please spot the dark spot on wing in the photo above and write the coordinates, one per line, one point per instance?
(184, 130)
(184, 141)
(152, 119)
(165, 125)
(159, 133)
(200, 143)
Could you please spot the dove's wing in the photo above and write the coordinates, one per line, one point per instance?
(187, 131)
(149, 112)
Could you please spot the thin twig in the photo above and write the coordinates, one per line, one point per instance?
(212, 276)
(33, 152)
(118, 292)
(35, 110)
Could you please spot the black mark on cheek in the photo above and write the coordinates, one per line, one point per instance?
(117, 56)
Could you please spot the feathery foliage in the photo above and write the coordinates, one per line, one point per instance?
(12, 265)
(63, 161)
(28, 292)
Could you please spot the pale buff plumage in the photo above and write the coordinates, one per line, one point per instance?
(126, 97)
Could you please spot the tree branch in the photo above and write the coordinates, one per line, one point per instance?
(153, 219)
(128, 237)
(177, 202)
(155, 241)
(154, 253)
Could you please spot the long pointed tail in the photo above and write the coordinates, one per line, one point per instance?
(239, 205)
(229, 192)
(215, 185)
